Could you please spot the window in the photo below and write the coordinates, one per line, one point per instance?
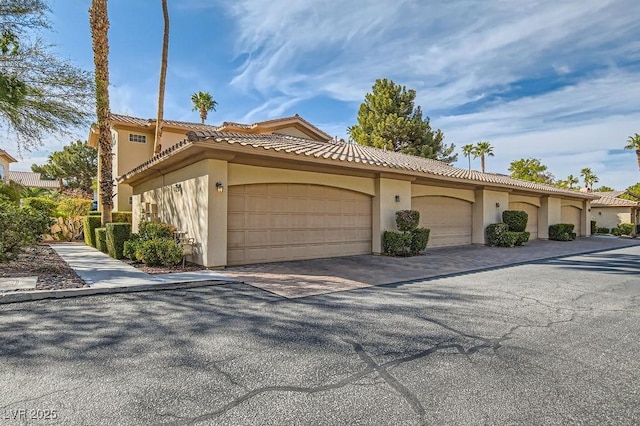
(137, 138)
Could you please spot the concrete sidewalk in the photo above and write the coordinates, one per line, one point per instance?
(103, 274)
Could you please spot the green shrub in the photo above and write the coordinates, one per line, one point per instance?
(407, 220)
(131, 247)
(509, 239)
(626, 228)
(121, 217)
(396, 243)
(94, 213)
(419, 240)
(89, 224)
(69, 207)
(10, 192)
(616, 232)
(160, 251)
(561, 232)
(117, 234)
(152, 230)
(602, 230)
(495, 233)
(594, 228)
(41, 204)
(572, 236)
(19, 228)
(101, 239)
(523, 238)
(515, 219)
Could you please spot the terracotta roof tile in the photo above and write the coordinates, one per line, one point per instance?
(31, 179)
(607, 201)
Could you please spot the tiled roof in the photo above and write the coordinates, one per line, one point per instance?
(7, 156)
(346, 154)
(609, 193)
(606, 201)
(31, 179)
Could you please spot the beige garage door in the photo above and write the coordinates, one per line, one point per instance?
(277, 222)
(532, 222)
(571, 214)
(449, 219)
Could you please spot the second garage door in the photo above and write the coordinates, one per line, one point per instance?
(532, 222)
(278, 222)
(449, 219)
(571, 214)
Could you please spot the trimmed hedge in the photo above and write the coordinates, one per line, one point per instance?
(121, 217)
(151, 230)
(89, 224)
(101, 239)
(602, 230)
(626, 228)
(396, 243)
(94, 213)
(594, 227)
(407, 220)
(495, 233)
(515, 219)
(419, 240)
(41, 204)
(117, 234)
(160, 251)
(562, 232)
(523, 238)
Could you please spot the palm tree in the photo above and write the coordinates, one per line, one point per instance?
(634, 143)
(99, 22)
(572, 180)
(163, 77)
(467, 151)
(203, 102)
(482, 150)
(589, 178)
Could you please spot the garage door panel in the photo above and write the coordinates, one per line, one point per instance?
(317, 222)
(532, 221)
(571, 214)
(449, 219)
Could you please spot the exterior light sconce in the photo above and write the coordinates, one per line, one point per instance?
(599, 213)
(219, 186)
(397, 198)
(177, 188)
(497, 205)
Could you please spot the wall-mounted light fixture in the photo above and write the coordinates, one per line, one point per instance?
(397, 198)
(177, 188)
(497, 205)
(599, 213)
(219, 186)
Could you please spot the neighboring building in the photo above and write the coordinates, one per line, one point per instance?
(610, 210)
(5, 160)
(252, 194)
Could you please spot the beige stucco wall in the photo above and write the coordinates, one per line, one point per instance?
(524, 199)
(487, 209)
(385, 207)
(426, 190)
(292, 131)
(611, 217)
(549, 213)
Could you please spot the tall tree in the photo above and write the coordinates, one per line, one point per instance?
(589, 178)
(530, 169)
(40, 94)
(483, 150)
(572, 180)
(157, 146)
(203, 102)
(99, 22)
(467, 151)
(76, 164)
(389, 119)
(604, 188)
(633, 142)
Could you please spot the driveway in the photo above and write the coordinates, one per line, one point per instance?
(554, 342)
(321, 276)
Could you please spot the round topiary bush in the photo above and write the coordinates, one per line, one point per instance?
(407, 220)
(516, 220)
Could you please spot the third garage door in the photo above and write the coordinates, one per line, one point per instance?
(449, 219)
(278, 222)
(571, 214)
(532, 212)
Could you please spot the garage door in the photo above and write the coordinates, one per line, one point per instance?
(571, 214)
(449, 219)
(532, 222)
(278, 222)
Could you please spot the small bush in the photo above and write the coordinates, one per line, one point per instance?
(19, 228)
(10, 192)
(41, 204)
(160, 251)
(396, 243)
(121, 217)
(117, 234)
(152, 230)
(89, 224)
(594, 228)
(561, 232)
(101, 239)
(616, 232)
(407, 220)
(94, 213)
(626, 228)
(602, 230)
(131, 247)
(419, 240)
(509, 239)
(515, 219)
(495, 233)
(523, 238)
(69, 207)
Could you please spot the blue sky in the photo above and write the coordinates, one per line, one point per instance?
(554, 80)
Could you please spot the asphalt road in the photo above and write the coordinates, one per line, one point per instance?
(547, 343)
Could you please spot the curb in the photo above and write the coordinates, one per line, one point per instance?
(29, 296)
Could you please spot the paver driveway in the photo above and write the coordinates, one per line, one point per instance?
(548, 343)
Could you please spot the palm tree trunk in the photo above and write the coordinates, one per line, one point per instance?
(469, 163)
(638, 157)
(482, 162)
(163, 77)
(203, 115)
(99, 21)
